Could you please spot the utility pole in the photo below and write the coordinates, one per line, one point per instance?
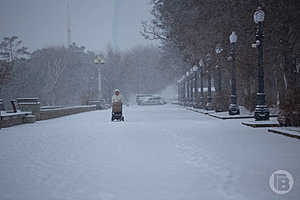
(68, 23)
(115, 26)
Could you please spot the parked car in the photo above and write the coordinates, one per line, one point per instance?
(141, 97)
(154, 100)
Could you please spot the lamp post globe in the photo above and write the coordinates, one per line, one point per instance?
(233, 37)
(195, 68)
(259, 15)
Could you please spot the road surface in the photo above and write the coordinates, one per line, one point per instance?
(159, 153)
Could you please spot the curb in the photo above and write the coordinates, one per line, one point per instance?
(231, 117)
(213, 114)
(261, 125)
(198, 111)
(281, 132)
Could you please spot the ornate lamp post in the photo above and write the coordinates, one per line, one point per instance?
(191, 88)
(219, 106)
(187, 81)
(183, 86)
(179, 91)
(100, 60)
(201, 64)
(209, 95)
(233, 107)
(182, 92)
(261, 110)
(195, 90)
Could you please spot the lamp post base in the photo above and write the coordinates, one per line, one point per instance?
(209, 105)
(195, 105)
(233, 109)
(185, 103)
(261, 113)
(220, 103)
(219, 108)
(201, 103)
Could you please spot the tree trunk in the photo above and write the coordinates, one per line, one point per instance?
(289, 94)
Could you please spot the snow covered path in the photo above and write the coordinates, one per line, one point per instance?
(159, 153)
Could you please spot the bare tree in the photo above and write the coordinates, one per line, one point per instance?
(11, 49)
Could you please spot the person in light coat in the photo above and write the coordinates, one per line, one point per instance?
(117, 98)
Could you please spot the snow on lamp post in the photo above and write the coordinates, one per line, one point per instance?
(233, 107)
(261, 110)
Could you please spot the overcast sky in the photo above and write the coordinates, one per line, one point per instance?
(42, 23)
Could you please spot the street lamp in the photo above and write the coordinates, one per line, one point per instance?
(201, 64)
(187, 77)
(100, 60)
(179, 90)
(191, 87)
(209, 95)
(195, 90)
(183, 90)
(233, 107)
(219, 106)
(261, 110)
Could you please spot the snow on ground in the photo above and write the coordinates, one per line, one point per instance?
(159, 153)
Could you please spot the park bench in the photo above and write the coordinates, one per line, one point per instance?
(15, 106)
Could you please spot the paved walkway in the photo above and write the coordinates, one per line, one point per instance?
(159, 153)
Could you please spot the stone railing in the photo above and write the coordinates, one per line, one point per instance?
(60, 112)
(12, 119)
(100, 104)
(29, 111)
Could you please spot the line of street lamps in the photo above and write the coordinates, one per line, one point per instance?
(190, 95)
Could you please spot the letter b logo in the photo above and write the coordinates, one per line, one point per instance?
(281, 182)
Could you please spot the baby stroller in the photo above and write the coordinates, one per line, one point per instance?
(117, 112)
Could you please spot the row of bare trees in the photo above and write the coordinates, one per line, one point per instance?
(69, 76)
(57, 75)
(197, 27)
